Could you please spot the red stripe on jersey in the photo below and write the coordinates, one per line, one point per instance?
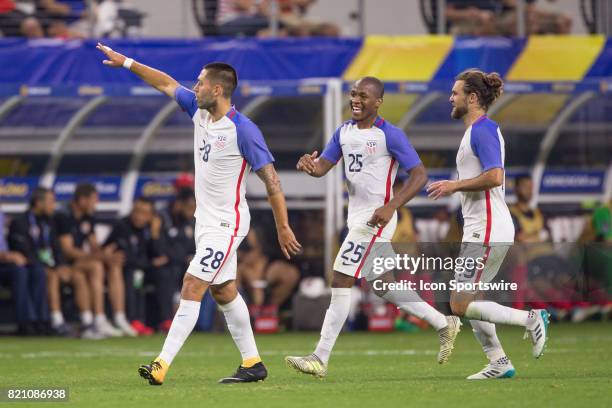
(484, 262)
(229, 248)
(380, 230)
(244, 162)
(367, 252)
(489, 220)
(236, 204)
(388, 189)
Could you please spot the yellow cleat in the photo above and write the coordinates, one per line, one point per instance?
(308, 365)
(154, 372)
(447, 337)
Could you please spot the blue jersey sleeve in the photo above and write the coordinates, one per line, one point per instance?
(400, 148)
(252, 145)
(485, 145)
(333, 151)
(186, 100)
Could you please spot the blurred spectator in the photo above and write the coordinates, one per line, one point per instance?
(293, 17)
(472, 17)
(551, 279)
(114, 18)
(76, 230)
(138, 238)
(13, 270)
(602, 223)
(268, 281)
(179, 228)
(16, 23)
(53, 15)
(242, 17)
(32, 235)
(538, 21)
(499, 17)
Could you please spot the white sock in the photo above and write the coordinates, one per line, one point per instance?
(487, 336)
(100, 319)
(496, 313)
(87, 318)
(182, 325)
(57, 318)
(239, 325)
(411, 302)
(120, 318)
(336, 315)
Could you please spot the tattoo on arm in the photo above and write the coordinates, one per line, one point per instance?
(268, 175)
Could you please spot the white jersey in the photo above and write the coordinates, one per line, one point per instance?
(371, 159)
(225, 151)
(486, 218)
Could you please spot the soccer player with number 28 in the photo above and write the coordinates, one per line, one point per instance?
(373, 150)
(227, 146)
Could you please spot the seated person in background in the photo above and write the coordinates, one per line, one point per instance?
(242, 17)
(293, 17)
(53, 15)
(548, 274)
(602, 223)
(16, 23)
(538, 21)
(138, 240)
(13, 271)
(76, 230)
(32, 235)
(262, 277)
(179, 228)
(472, 17)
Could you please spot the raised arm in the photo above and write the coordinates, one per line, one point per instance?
(157, 79)
(289, 245)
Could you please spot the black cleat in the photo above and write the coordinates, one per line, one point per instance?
(252, 374)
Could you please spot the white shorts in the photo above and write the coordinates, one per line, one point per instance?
(487, 260)
(215, 260)
(358, 252)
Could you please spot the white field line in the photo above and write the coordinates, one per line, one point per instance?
(369, 353)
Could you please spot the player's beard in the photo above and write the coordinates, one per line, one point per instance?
(207, 105)
(459, 112)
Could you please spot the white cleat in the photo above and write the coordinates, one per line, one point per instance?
(308, 365)
(90, 333)
(125, 328)
(499, 369)
(447, 338)
(108, 329)
(537, 330)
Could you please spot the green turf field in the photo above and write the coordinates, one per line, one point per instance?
(367, 370)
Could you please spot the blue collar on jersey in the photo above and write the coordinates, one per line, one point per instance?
(480, 119)
(378, 122)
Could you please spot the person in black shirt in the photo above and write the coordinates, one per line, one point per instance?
(138, 238)
(32, 235)
(76, 230)
(13, 269)
(179, 228)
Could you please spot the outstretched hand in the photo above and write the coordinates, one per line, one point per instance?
(442, 188)
(114, 59)
(307, 163)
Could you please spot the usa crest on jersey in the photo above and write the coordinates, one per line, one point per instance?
(371, 147)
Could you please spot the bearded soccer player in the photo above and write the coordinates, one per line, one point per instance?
(373, 150)
(227, 146)
(488, 230)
